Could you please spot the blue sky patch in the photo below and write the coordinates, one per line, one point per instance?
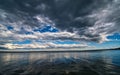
(106, 44)
(10, 28)
(27, 41)
(115, 36)
(46, 28)
(66, 42)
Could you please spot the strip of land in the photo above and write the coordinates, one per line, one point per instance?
(52, 50)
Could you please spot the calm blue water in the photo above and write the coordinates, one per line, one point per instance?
(61, 63)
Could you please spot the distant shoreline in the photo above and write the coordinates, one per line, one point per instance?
(53, 50)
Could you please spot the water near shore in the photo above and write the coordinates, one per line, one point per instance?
(61, 63)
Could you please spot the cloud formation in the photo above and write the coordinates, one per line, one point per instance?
(82, 20)
(44, 45)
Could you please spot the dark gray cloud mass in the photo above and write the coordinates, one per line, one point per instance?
(90, 19)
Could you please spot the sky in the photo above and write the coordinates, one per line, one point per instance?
(84, 24)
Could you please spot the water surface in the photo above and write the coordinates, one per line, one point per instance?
(61, 63)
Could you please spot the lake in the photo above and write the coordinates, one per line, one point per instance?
(61, 63)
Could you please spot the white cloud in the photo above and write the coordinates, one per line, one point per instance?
(44, 20)
(46, 36)
(44, 45)
(57, 35)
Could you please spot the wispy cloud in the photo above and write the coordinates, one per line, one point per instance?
(44, 45)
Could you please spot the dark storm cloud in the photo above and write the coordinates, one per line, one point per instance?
(63, 12)
(89, 18)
